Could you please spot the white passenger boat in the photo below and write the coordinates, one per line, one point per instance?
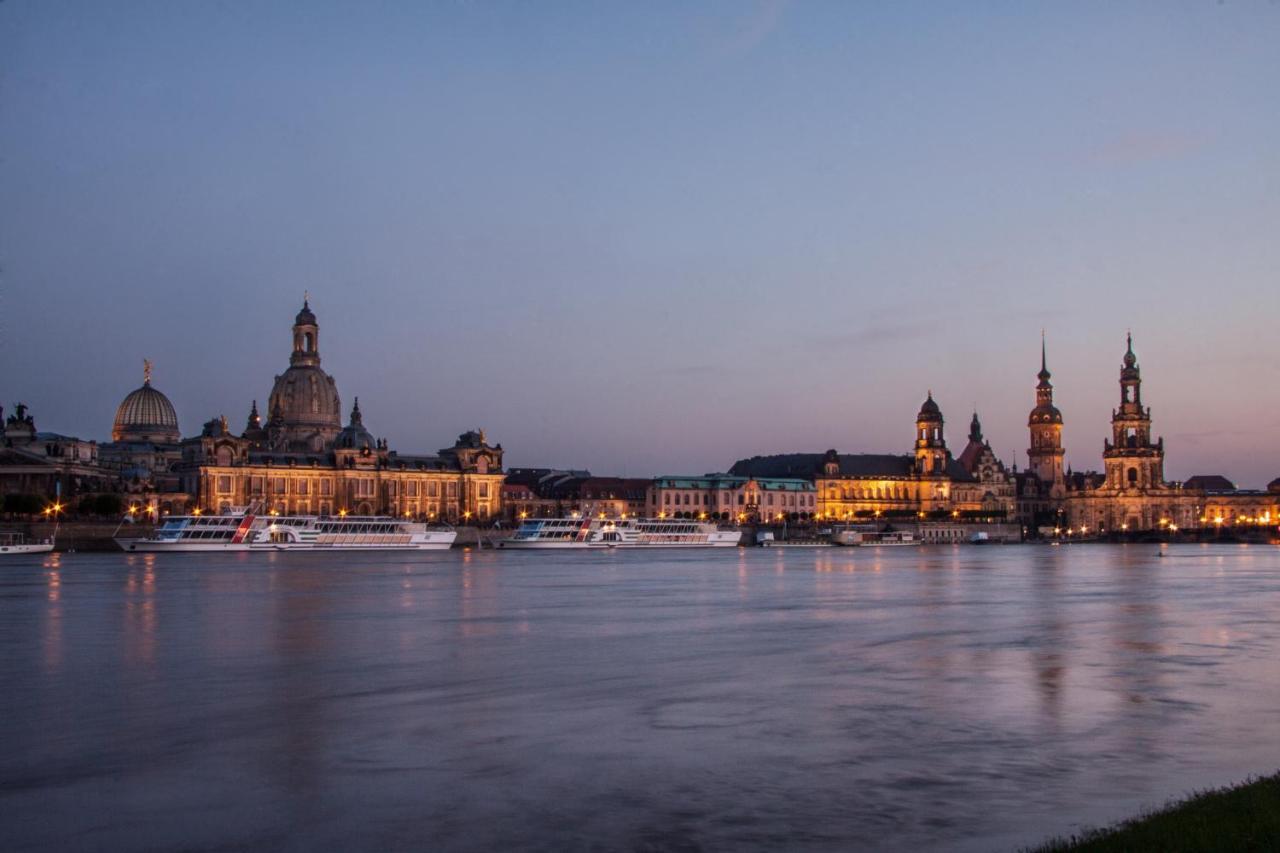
(538, 533)
(290, 533)
(16, 543)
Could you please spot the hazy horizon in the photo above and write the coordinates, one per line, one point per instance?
(652, 239)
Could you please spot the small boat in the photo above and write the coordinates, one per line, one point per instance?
(248, 532)
(16, 543)
(876, 539)
(561, 533)
(765, 539)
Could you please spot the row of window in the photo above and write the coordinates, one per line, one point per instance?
(704, 499)
(364, 487)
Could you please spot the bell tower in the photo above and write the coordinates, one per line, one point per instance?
(1132, 460)
(931, 446)
(306, 337)
(1044, 457)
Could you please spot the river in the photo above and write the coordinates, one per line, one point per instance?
(948, 698)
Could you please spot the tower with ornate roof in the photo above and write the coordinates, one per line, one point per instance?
(1132, 459)
(1045, 456)
(931, 445)
(305, 412)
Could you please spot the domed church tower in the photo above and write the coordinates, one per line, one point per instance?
(931, 446)
(1044, 457)
(1132, 460)
(306, 414)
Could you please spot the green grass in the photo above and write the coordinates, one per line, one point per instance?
(1243, 817)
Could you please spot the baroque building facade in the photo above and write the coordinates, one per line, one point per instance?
(304, 461)
(928, 482)
(1131, 495)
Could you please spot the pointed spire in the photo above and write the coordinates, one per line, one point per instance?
(975, 428)
(255, 420)
(356, 419)
(146, 371)
(1044, 374)
(1130, 360)
(306, 299)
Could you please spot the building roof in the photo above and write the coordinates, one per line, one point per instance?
(968, 459)
(810, 465)
(1209, 483)
(929, 411)
(145, 411)
(731, 481)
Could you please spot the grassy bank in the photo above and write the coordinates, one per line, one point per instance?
(1243, 817)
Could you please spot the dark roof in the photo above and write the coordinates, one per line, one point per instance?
(1084, 480)
(810, 465)
(1210, 483)
(420, 462)
(968, 458)
(1274, 485)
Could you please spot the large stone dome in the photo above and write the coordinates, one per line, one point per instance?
(146, 415)
(305, 411)
(305, 399)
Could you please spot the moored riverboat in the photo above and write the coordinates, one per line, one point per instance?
(875, 538)
(561, 533)
(205, 533)
(13, 543)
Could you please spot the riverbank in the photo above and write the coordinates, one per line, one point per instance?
(1242, 817)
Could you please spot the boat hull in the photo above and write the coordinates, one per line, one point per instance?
(33, 548)
(150, 546)
(723, 540)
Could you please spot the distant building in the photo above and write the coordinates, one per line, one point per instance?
(732, 497)
(1131, 494)
(303, 461)
(929, 481)
(43, 466)
(145, 449)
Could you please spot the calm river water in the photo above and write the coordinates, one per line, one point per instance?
(926, 698)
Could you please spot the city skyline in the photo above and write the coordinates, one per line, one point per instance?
(651, 241)
(955, 432)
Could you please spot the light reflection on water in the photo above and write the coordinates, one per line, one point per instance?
(944, 698)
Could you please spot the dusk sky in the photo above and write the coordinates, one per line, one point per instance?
(651, 238)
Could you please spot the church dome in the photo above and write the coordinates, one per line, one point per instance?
(305, 412)
(146, 415)
(929, 411)
(306, 398)
(305, 316)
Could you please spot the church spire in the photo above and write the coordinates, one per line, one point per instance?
(1044, 363)
(975, 428)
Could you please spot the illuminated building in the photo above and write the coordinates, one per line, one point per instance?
(303, 461)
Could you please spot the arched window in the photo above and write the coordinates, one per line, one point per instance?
(1133, 475)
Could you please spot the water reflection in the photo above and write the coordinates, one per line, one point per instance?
(925, 698)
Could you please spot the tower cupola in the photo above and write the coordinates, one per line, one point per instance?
(931, 445)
